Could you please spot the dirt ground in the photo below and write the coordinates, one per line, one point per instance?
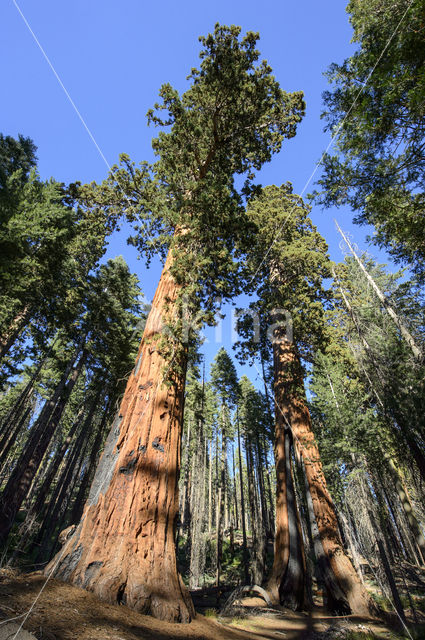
(64, 612)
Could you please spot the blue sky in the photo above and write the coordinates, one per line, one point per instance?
(112, 58)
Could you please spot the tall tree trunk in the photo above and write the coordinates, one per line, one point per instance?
(220, 502)
(258, 544)
(245, 557)
(269, 490)
(352, 543)
(210, 464)
(197, 522)
(293, 405)
(336, 600)
(77, 508)
(260, 472)
(235, 490)
(124, 547)
(286, 580)
(184, 502)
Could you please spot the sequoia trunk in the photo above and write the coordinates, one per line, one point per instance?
(295, 408)
(286, 581)
(124, 547)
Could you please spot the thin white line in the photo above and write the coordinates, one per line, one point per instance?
(62, 85)
(35, 601)
(27, 614)
(333, 137)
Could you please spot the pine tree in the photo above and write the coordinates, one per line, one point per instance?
(48, 246)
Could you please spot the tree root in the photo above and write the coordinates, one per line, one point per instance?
(239, 592)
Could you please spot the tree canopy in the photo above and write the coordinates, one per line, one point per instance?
(376, 112)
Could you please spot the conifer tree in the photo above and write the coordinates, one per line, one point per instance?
(291, 271)
(48, 246)
(224, 381)
(231, 119)
(375, 107)
(253, 420)
(96, 345)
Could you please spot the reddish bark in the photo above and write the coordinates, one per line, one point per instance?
(286, 581)
(124, 547)
(295, 408)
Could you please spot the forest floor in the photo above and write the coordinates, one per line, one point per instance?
(64, 612)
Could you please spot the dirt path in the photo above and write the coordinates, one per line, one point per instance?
(64, 612)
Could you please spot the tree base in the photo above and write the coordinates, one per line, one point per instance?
(166, 599)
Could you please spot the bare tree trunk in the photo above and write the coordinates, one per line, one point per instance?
(293, 404)
(245, 557)
(124, 547)
(394, 317)
(286, 580)
(210, 463)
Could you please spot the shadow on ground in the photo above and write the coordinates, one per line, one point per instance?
(65, 612)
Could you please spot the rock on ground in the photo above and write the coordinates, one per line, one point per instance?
(11, 631)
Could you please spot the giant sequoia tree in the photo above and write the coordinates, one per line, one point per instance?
(230, 121)
(292, 272)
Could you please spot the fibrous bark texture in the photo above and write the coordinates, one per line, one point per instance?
(286, 581)
(124, 547)
(344, 589)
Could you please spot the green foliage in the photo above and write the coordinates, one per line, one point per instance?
(224, 378)
(376, 109)
(287, 264)
(253, 411)
(367, 401)
(48, 247)
(229, 122)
